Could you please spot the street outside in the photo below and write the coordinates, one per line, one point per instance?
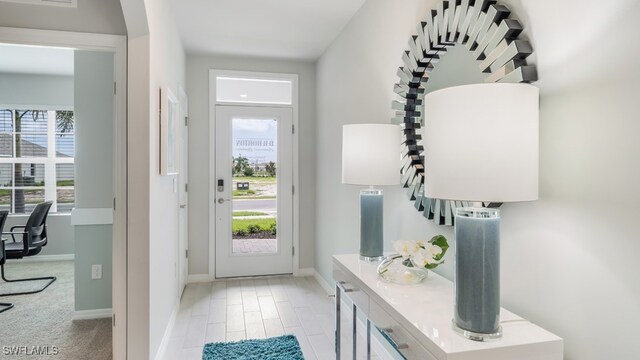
(268, 206)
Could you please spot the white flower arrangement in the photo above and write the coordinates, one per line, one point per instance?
(421, 253)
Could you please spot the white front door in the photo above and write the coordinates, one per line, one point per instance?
(183, 215)
(253, 191)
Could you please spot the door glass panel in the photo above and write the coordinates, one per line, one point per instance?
(255, 160)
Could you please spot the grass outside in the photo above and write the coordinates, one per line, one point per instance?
(243, 224)
(65, 182)
(249, 213)
(243, 193)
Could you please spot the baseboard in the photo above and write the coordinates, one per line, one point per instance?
(92, 314)
(45, 258)
(167, 332)
(305, 272)
(199, 278)
(325, 285)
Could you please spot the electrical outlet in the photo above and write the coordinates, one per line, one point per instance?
(96, 272)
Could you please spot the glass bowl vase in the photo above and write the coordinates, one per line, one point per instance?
(396, 270)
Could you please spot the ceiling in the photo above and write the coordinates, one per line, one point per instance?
(21, 59)
(293, 29)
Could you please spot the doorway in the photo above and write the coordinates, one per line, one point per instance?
(73, 157)
(253, 192)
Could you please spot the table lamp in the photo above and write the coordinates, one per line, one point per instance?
(481, 145)
(370, 157)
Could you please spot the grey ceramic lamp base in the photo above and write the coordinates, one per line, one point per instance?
(371, 215)
(477, 274)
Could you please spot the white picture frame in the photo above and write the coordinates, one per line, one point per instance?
(169, 107)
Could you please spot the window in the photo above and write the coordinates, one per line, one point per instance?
(37, 150)
(254, 90)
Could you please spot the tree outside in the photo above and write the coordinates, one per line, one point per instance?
(64, 124)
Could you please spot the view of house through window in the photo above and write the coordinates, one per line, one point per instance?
(37, 149)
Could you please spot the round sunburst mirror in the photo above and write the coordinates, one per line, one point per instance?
(461, 42)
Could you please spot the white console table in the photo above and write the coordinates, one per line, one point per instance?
(416, 319)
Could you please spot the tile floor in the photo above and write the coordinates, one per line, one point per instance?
(231, 310)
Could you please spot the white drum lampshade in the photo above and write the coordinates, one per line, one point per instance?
(481, 144)
(370, 156)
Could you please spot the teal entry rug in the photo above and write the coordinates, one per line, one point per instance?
(277, 348)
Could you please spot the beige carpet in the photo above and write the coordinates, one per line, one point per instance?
(45, 319)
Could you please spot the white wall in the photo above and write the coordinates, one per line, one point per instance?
(198, 90)
(167, 69)
(156, 60)
(569, 259)
(93, 16)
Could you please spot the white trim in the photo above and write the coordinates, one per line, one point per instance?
(305, 272)
(199, 278)
(162, 349)
(92, 314)
(295, 106)
(44, 258)
(97, 216)
(325, 285)
(118, 45)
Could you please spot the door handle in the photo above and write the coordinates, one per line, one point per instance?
(183, 206)
(221, 200)
(386, 333)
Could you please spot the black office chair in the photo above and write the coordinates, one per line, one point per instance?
(3, 217)
(34, 237)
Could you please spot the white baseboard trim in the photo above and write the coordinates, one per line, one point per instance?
(167, 332)
(44, 258)
(92, 314)
(305, 272)
(199, 278)
(325, 285)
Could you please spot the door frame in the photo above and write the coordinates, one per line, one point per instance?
(116, 44)
(213, 73)
(183, 180)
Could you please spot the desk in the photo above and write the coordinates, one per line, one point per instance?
(416, 319)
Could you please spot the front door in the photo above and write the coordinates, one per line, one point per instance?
(253, 191)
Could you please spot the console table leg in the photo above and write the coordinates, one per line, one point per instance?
(337, 337)
(355, 331)
(368, 339)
